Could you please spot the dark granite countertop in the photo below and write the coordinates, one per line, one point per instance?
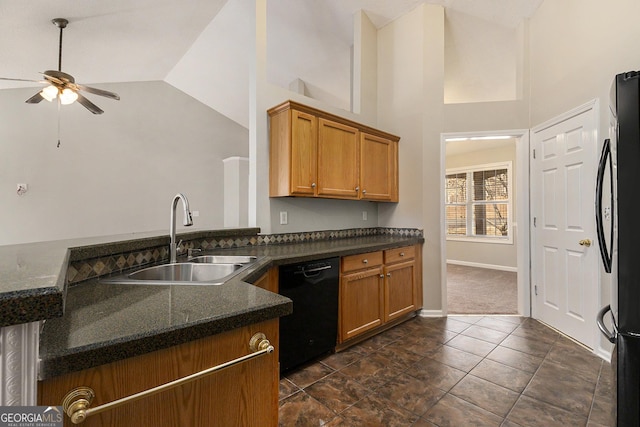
(32, 275)
(107, 322)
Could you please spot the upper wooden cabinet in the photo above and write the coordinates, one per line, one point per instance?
(317, 154)
(378, 168)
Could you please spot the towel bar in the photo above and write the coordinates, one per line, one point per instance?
(77, 401)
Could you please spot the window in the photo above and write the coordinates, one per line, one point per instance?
(478, 203)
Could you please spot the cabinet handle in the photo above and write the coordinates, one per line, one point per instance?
(76, 402)
(382, 276)
(401, 253)
(357, 189)
(388, 274)
(364, 261)
(313, 185)
(364, 191)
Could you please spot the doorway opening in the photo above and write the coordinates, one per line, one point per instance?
(484, 187)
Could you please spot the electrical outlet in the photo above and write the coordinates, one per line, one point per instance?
(364, 215)
(284, 218)
(195, 214)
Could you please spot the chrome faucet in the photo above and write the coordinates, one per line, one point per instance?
(172, 227)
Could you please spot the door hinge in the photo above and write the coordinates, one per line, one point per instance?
(535, 289)
(534, 153)
(535, 221)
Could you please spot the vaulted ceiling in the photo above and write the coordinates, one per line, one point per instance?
(142, 40)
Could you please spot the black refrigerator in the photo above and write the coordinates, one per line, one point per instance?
(618, 226)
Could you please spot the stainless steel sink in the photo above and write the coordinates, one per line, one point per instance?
(185, 272)
(202, 270)
(223, 259)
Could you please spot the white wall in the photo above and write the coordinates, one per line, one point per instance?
(480, 60)
(365, 67)
(215, 69)
(410, 100)
(113, 173)
(236, 191)
(491, 254)
(299, 48)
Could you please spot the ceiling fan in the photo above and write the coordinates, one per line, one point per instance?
(62, 85)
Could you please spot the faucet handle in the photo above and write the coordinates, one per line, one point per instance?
(192, 251)
(178, 248)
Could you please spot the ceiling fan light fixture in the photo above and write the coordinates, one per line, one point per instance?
(49, 93)
(68, 96)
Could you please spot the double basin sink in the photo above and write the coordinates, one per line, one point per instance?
(201, 270)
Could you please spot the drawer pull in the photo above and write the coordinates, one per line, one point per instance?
(76, 402)
(364, 261)
(401, 253)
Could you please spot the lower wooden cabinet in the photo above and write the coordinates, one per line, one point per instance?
(377, 288)
(242, 395)
(399, 290)
(361, 302)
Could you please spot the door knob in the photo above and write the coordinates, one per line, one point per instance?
(585, 242)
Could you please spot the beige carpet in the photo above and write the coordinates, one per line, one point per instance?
(472, 290)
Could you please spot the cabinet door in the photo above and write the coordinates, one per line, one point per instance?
(400, 291)
(304, 134)
(361, 302)
(338, 160)
(378, 172)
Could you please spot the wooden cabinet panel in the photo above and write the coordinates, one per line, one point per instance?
(242, 395)
(378, 171)
(338, 160)
(399, 254)
(361, 302)
(293, 153)
(303, 153)
(361, 261)
(400, 290)
(269, 280)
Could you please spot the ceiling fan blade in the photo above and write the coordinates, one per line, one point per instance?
(21, 80)
(99, 92)
(53, 80)
(89, 105)
(34, 99)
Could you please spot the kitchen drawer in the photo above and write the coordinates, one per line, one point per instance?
(399, 254)
(361, 261)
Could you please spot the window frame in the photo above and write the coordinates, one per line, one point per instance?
(469, 170)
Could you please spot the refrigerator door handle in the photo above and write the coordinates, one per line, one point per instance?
(611, 336)
(606, 256)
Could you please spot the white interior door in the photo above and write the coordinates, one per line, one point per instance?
(564, 250)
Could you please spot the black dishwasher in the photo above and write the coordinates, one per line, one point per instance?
(311, 330)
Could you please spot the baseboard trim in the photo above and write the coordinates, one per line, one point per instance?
(481, 265)
(430, 313)
(603, 354)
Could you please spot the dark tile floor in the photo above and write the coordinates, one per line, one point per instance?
(455, 371)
